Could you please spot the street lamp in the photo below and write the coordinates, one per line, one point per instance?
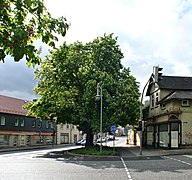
(99, 96)
(141, 117)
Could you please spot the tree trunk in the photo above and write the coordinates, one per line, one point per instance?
(89, 137)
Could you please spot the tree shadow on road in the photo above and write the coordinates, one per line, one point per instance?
(135, 164)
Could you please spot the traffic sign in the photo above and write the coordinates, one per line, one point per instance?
(113, 128)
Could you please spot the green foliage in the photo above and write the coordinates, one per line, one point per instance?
(67, 86)
(21, 23)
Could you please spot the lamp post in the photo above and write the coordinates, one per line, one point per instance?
(99, 96)
(141, 117)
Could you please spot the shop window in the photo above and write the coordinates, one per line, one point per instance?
(149, 135)
(163, 135)
(4, 140)
(185, 102)
(2, 122)
(22, 140)
(22, 122)
(16, 122)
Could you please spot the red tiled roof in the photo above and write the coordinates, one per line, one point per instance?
(12, 105)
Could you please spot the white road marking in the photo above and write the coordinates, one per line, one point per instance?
(126, 169)
(189, 164)
(188, 156)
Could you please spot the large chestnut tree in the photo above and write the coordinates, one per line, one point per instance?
(67, 85)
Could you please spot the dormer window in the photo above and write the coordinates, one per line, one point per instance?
(185, 102)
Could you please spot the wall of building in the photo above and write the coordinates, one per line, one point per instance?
(20, 130)
(67, 133)
(186, 128)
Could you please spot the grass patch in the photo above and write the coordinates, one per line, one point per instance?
(95, 151)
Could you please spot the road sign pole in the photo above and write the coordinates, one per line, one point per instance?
(114, 144)
(113, 129)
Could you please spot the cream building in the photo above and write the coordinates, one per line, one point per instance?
(168, 119)
(68, 134)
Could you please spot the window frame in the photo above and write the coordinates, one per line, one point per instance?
(22, 122)
(34, 123)
(47, 124)
(163, 105)
(16, 122)
(40, 124)
(152, 101)
(185, 104)
(2, 121)
(156, 99)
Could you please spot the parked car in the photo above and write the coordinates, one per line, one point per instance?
(39, 141)
(101, 139)
(49, 141)
(111, 137)
(81, 142)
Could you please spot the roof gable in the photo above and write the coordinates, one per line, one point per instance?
(179, 95)
(12, 105)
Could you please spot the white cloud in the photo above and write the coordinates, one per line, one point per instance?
(151, 32)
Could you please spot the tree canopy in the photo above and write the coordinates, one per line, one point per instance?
(67, 86)
(21, 23)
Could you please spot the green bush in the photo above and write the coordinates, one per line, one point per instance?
(95, 151)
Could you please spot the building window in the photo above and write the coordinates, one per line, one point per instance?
(185, 102)
(33, 123)
(67, 126)
(22, 122)
(16, 122)
(152, 101)
(156, 98)
(51, 123)
(40, 124)
(2, 122)
(163, 106)
(47, 124)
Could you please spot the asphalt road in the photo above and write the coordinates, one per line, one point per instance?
(33, 165)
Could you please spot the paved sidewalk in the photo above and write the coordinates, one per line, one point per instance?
(125, 150)
(134, 151)
(4, 149)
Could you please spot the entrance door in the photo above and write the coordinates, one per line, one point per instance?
(64, 138)
(174, 135)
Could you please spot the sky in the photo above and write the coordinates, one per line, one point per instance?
(150, 33)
